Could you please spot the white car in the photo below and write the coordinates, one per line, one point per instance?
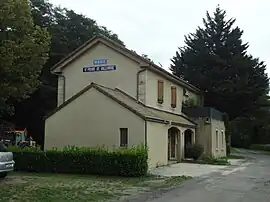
(6, 161)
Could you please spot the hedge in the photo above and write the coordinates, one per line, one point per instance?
(99, 161)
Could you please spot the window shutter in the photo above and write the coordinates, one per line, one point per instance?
(173, 97)
(160, 91)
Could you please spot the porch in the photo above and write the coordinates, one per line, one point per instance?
(178, 139)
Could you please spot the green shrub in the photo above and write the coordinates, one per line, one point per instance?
(99, 161)
(17, 149)
(260, 147)
(194, 151)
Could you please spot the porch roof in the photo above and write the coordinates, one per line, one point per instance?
(130, 103)
(144, 111)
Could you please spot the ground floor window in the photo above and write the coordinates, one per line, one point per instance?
(123, 137)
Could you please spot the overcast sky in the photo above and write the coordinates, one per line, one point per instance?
(157, 27)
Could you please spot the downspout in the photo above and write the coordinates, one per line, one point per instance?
(145, 134)
(63, 95)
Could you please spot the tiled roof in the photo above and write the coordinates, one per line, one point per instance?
(129, 53)
(145, 111)
(133, 105)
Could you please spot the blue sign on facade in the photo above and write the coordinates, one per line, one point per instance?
(99, 68)
(100, 62)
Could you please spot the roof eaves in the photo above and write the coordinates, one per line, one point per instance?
(69, 100)
(73, 52)
(157, 120)
(120, 102)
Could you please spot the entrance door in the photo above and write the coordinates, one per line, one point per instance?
(173, 152)
(173, 146)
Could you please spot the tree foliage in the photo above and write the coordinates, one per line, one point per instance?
(215, 59)
(68, 31)
(24, 50)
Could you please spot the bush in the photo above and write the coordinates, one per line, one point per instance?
(261, 147)
(194, 151)
(99, 161)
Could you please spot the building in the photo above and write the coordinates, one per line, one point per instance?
(109, 95)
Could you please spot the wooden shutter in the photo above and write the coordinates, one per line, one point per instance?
(123, 137)
(160, 91)
(173, 97)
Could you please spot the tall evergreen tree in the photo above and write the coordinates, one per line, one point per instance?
(215, 59)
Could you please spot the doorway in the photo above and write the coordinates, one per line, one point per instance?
(187, 139)
(173, 138)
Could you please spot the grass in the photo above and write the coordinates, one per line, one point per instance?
(234, 150)
(210, 160)
(63, 188)
(266, 152)
(233, 156)
(262, 148)
(214, 160)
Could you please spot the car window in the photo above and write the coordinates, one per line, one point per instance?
(3, 147)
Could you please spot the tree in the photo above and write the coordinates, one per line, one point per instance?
(68, 31)
(24, 50)
(215, 59)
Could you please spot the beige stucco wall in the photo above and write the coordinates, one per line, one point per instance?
(124, 77)
(157, 142)
(220, 149)
(90, 120)
(203, 135)
(206, 136)
(152, 93)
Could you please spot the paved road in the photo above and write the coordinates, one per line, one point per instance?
(249, 183)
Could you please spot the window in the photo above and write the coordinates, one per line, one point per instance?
(123, 137)
(216, 139)
(173, 97)
(222, 138)
(185, 92)
(160, 91)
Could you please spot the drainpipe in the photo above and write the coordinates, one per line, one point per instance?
(145, 134)
(60, 88)
(138, 82)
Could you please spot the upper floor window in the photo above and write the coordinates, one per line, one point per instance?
(160, 91)
(185, 92)
(173, 97)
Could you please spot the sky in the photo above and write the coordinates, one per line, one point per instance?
(157, 27)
